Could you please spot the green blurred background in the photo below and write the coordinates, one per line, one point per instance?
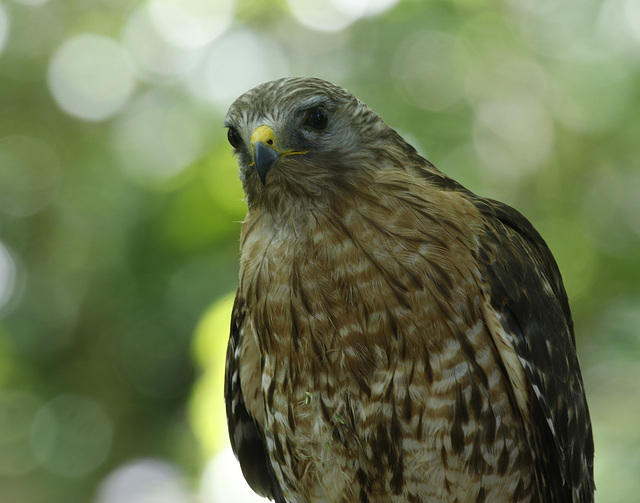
(120, 206)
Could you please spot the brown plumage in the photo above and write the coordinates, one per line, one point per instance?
(395, 338)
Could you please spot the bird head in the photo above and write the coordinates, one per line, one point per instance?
(304, 138)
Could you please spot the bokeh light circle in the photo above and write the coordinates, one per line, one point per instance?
(31, 2)
(157, 137)
(221, 79)
(4, 27)
(156, 59)
(8, 277)
(222, 480)
(632, 17)
(71, 435)
(365, 7)
(426, 71)
(191, 23)
(17, 411)
(336, 15)
(322, 15)
(90, 77)
(513, 134)
(30, 176)
(144, 481)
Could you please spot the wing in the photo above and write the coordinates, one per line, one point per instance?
(247, 438)
(530, 321)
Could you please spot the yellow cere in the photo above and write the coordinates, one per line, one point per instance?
(265, 135)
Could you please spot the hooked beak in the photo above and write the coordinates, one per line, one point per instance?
(265, 158)
(265, 151)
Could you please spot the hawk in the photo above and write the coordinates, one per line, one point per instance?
(395, 337)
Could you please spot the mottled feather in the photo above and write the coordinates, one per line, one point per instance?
(395, 338)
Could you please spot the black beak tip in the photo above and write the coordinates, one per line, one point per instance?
(265, 158)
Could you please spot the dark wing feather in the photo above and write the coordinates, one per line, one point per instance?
(523, 283)
(247, 438)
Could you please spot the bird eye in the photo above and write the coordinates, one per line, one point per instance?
(317, 119)
(234, 137)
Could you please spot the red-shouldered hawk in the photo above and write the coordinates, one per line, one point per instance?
(395, 337)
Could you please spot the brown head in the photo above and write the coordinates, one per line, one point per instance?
(305, 138)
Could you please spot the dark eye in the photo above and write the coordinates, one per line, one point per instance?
(234, 137)
(317, 119)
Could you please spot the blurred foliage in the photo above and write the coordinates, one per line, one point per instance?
(120, 205)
